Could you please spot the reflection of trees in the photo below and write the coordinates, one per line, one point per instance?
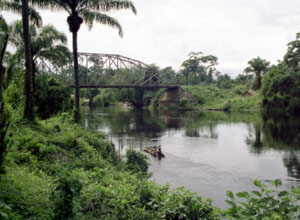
(283, 134)
(131, 122)
(254, 138)
(292, 163)
(206, 131)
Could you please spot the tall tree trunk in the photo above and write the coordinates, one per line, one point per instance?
(258, 80)
(4, 117)
(75, 55)
(2, 69)
(29, 111)
(186, 77)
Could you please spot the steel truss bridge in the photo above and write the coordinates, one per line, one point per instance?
(98, 70)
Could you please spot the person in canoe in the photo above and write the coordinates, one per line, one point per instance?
(155, 151)
(159, 153)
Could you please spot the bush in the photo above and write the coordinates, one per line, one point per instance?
(136, 162)
(265, 203)
(65, 195)
(51, 97)
(26, 195)
(104, 99)
(183, 102)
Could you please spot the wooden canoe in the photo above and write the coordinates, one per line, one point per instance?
(153, 151)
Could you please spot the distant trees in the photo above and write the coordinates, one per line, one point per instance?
(88, 11)
(200, 67)
(259, 67)
(224, 81)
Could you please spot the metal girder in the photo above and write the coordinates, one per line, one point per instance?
(107, 63)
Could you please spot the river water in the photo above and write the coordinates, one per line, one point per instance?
(206, 152)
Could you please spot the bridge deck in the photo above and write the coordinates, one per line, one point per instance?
(128, 86)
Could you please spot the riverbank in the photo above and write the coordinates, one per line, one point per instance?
(213, 98)
(55, 169)
(210, 98)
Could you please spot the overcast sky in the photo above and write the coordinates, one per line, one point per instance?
(164, 32)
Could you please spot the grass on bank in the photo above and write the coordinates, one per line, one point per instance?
(211, 97)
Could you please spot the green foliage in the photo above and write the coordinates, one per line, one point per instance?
(138, 97)
(227, 106)
(66, 192)
(199, 69)
(26, 195)
(280, 86)
(224, 82)
(57, 170)
(280, 89)
(156, 97)
(183, 102)
(265, 203)
(14, 93)
(51, 97)
(120, 195)
(182, 204)
(259, 67)
(211, 97)
(105, 98)
(136, 162)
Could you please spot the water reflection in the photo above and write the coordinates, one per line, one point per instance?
(254, 138)
(208, 152)
(279, 134)
(283, 134)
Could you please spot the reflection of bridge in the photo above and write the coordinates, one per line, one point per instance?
(115, 71)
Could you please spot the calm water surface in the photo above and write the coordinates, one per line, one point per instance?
(206, 152)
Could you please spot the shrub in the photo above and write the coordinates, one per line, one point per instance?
(26, 195)
(136, 161)
(265, 203)
(66, 193)
(104, 99)
(51, 97)
(183, 102)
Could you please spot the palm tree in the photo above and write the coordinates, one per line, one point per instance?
(29, 111)
(259, 67)
(27, 13)
(15, 7)
(47, 44)
(88, 11)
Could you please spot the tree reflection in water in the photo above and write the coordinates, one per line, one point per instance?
(139, 128)
(292, 162)
(280, 134)
(254, 138)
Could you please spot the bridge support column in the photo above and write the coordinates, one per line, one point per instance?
(172, 97)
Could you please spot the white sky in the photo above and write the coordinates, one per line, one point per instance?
(164, 32)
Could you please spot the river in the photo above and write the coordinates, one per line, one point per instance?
(206, 152)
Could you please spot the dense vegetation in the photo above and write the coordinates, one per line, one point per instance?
(51, 168)
(280, 86)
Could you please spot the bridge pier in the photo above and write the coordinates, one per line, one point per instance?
(172, 97)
